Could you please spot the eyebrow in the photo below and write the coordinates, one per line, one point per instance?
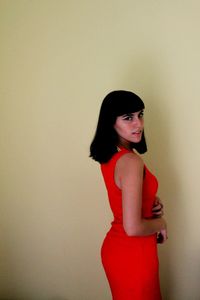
(130, 114)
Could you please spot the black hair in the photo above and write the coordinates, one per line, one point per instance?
(105, 141)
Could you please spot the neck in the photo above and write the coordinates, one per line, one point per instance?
(125, 145)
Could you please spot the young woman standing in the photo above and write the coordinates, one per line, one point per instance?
(129, 251)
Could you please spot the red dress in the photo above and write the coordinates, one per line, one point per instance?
(130, 263)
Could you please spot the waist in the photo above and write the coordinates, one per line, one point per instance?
(117, 230)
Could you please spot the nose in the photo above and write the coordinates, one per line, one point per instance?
(138, 122)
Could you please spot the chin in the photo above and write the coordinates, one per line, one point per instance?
(136, 141)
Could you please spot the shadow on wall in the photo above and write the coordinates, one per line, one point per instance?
(148, 80)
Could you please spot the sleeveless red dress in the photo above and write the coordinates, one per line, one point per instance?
(130, 263)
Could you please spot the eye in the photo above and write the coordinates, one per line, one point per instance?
(127, 117)
(141, 114)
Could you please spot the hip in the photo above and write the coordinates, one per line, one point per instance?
(137, 247)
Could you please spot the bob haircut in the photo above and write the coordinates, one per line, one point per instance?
(105, 141)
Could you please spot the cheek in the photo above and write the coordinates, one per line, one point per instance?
(116, 126)
(120, 129)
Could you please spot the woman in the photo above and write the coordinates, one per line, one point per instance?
(129, 251)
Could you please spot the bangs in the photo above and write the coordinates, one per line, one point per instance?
(128, 106)
(124, 102)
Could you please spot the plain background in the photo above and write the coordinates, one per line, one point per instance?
(58, 59)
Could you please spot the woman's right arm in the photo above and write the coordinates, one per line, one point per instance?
(129, 175)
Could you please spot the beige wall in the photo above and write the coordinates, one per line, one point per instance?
(58, 59)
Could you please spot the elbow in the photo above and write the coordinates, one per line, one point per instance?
(130, 233)
(133, 231)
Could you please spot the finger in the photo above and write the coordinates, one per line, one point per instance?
(159, 213)
(157, 207)
(165, 237)
(157, 210)
(158, 201)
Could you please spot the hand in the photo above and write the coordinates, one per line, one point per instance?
(162, 236)
(157, 210)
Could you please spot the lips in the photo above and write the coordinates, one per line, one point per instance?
(137, 132)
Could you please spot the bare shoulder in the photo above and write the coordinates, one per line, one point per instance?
(130, 161)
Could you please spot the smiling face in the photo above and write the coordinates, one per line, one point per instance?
(129, 128)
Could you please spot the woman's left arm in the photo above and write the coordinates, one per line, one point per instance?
(157, 209)
(158, 212)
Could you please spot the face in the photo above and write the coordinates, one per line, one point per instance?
(129, 128)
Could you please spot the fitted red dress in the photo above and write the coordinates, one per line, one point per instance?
(130, 263)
